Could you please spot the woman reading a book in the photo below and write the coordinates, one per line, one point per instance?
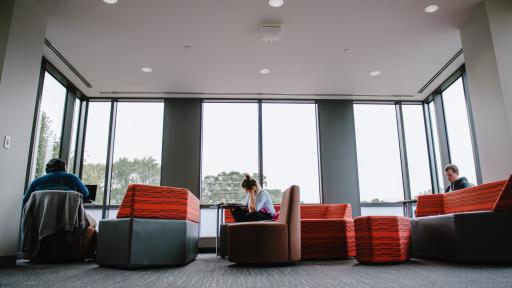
(258, 203)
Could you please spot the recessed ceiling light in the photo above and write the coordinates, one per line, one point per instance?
(110, 1)
(431, 8)
(146, 69)
(187, 47)
(348, 50)
(375, 73)
(264, 71)
(276, 3)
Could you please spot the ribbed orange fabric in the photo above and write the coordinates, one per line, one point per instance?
(327, 230)
(479, 198)
(382, 239)
(504, 202)
(430, 205)
(159, 202)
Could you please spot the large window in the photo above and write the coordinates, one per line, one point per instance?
(230, 149)
(417, 150)
(231, 138)
(49, 124)
(96, 145)
(290, 152)
(137, 147)
(458, 130)
(378, 153)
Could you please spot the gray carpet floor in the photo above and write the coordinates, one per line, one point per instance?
(211, 271)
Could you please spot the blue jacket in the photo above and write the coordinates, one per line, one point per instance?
(59, 180)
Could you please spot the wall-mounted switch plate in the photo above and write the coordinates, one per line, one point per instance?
(7, 142)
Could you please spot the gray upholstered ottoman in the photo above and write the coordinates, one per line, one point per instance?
(137, 243)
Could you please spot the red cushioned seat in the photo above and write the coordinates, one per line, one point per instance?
(469, 225)
(159, 202)
(327, 231)
(382, 239)
(478, 198)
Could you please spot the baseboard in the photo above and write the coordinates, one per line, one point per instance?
(207, 250)
(8, 261)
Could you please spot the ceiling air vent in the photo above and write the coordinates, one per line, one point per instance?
(270, 32)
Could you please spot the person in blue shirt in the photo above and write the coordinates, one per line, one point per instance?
(56, 178)
(258, 202)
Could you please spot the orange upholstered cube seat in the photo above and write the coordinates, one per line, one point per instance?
(327, 231)
(159, 202)
(382, 239)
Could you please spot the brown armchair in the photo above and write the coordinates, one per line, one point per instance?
(269, 242)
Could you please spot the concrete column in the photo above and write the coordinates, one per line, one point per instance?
(338, 154)
(487, 42)
(22, 33)
(181, 147)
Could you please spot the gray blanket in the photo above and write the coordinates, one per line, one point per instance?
(49, 212)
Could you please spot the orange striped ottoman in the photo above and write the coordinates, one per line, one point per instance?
(159, 202)
(382, 239)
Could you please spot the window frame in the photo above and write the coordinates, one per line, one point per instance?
(260, 103)
(436, 97)
(109, 163)
(408, 202)
(72, 94)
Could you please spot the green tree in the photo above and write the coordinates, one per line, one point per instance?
(124, 172)
(136, 171)
(45, 137)
(225, 187)
(94, 173)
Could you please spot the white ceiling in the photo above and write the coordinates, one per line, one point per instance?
(108, 44)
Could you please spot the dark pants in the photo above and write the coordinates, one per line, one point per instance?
(243, 215)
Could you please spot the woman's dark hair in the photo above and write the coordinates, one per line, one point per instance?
(55, 165)
(249, 182)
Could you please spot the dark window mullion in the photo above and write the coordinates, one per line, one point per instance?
(469, 109)
(110, 156)
(432, 157)
(67, 125)
(403, 158)
(82, 131)
(260, 142)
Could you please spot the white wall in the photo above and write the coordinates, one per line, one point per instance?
(6, 7)
(493, 127)
(18, 89)
(500, 20)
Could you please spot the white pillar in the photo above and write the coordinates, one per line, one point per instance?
(21, 39)
(487, 42)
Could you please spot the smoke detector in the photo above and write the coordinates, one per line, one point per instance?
(270, 32)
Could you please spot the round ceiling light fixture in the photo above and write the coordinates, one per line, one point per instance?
(275, 3)
(146, 69)
(264, 71)
(431, 8)
(110, 1)
(375, 73)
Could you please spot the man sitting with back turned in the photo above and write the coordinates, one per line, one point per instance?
(456, 183)
(57, 178)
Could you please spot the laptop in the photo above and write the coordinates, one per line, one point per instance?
(92, 193)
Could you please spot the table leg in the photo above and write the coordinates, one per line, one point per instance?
(218, 231)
